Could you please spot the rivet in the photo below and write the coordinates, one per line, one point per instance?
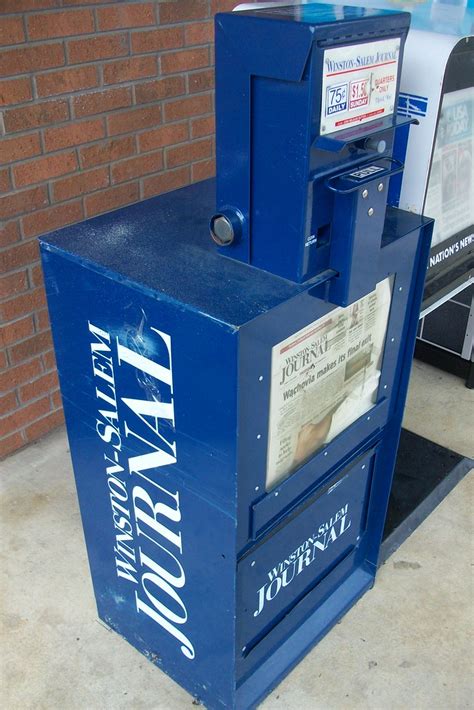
(325, 453)
(243, 649)
(365, 194)
(400, 288)
(380, 186)
(392, 340)
(252, 564)
(259, 436)
(370, 211)
(276, 493)
(368, 419)
(257, 488)
(363, 466)
(260, 378)
(385, 387)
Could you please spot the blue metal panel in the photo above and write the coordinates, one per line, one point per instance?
(290, 562)
(154, 487)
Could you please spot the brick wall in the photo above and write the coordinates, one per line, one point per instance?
(102, 104)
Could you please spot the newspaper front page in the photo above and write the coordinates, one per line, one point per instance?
(323, 378)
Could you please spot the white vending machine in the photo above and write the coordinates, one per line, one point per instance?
(437, 87)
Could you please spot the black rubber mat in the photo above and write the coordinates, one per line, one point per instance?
(424, 474)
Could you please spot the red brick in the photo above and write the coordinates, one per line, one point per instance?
(130, 69)
(10, 444)
(184, 108)
(203, 170)
(201, 81)
(9, 233)
(31, 346)
(162, 89)
(84, 182)
(18, 256)
(134, 120)
(41, 114)
(174, 62)
(44, 168)
(199, 33)
(99, 47)
(19, 148)
(19, 375)
(5, 182)
(157, 40)
(56, 399)
(23, 304)
(73, 134)
(37, 275)
(11, 30)
(23, 201)
(53, 218)
(169, 180)
(223, 5)
(13, 284)
(7, 6)
(136, 167)
(102, 101)
(183, 10)
(49, 360)
(163, 136)
(8, 403)
(188, 153)
(204, 126)
(31, 58)
(111, 199)
(15, 91)
(44, 425)
(36, 388)
(126, 16)
(42, 320)
(85, 2)
(23, 416)
(3, 360)
(66, 80)
(17, 330)
(60, 24)
(108, 151)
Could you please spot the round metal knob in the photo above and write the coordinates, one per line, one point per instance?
(377, 144)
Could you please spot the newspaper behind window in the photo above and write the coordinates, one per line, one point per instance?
(324, 377)
(450, 195)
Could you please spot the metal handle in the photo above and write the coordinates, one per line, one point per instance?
(399, 166)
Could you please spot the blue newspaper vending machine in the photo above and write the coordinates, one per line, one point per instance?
(233, 411)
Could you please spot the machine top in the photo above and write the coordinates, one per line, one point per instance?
(162, 245)
(317, 13)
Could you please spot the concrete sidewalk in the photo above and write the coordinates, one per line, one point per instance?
(406, 644)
